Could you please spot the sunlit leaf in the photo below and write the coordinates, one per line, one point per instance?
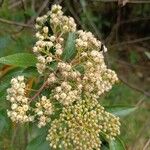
(19, 59)
(116, 144)
(121, 110)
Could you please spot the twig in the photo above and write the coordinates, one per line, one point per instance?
(15, 23)
(74, 14)
(129, 64)
(15, 4)
(111, 35)
(25, 136)
(57, 2)
(39, 11)
(89, 19)
(139, 103)
(33, 5)
(141, 131)
(40, 90)
(1, 3)
(14, 135)
(146, 145)
(134, 87)
(134, 20)
(131, 42)
(129, 1)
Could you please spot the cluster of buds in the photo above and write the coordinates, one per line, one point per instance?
(86, 40)
(60, 21)
(43, 111)
(97, 78)
(67, 71)
(48, 47)
(79, 126)
(65, 93)
(19, 102)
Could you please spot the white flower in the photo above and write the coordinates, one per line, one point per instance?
(59, 52)
(45, 29)
(14, 106)
(43, 111)
(19, 102)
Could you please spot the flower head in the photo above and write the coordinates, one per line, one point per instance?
(80, 125)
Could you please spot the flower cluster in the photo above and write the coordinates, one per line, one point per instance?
(86, 40)
(43, 111)
(49, 48)
(19, 102)
(76, 83)
(97, 78)
(79, 126)
(86, 75)
(65, 93)
(60, 21)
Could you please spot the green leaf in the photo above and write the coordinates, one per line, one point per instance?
(53, 65)
(134, 57)
(30, 72)
(147, 54)
(103, 147)
(19, 59)
(69, 51)
(3, 121)
(116, 144)
(39, 143)
(121, 110)
(5, 80)
(80, 68)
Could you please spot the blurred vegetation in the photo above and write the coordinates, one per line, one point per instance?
(123, 27)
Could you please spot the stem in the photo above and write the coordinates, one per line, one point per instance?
(25, 136)
(40, 90)
(13, 139)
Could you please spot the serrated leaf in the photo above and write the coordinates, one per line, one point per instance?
(19, 59)
(70, 50)
(121, 110)
(147, 54)
(116, 144)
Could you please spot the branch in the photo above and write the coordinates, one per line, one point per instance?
(40, 90)
(15, 23)
(134, 87)
(146, 145)
(129, 1)
(15, 4)
(39, 12)
(131, 42)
